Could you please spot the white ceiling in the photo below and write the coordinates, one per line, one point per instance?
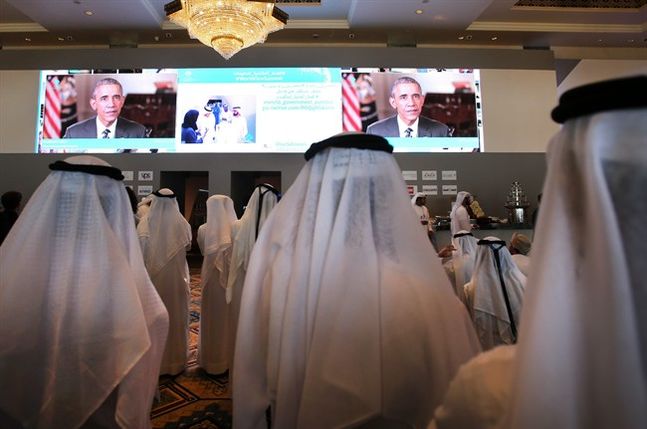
(491, 23)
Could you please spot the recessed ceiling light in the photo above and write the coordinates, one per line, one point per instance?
(88, 13)
(27, 39)
(60, 39)
(599, 40)
(494, 38)
(461, 37)
(418, 11)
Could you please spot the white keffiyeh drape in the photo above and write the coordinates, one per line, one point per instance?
(347, 315)
(79, 317)
(582, 352)
(215, 241)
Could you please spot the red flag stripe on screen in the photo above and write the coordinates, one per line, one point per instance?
(351, 118)
(52, 120)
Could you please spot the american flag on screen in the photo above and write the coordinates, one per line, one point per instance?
(350, 104)
(52, 120)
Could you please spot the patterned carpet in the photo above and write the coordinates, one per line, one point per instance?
(193, 399)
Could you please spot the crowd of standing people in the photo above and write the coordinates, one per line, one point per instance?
(329, 305)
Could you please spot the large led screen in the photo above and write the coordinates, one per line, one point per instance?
(256, 109)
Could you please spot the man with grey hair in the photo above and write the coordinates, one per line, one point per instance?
(107, 100)
(407, 100)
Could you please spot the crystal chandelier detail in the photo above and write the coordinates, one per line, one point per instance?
(228, 26)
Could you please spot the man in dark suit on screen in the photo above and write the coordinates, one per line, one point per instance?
(406, 98)
(107, 100)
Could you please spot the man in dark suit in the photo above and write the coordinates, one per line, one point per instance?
(107, 100)
(406, 98)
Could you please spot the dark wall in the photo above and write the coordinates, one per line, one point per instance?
(489, 175)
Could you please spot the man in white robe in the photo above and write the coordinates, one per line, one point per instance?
(418, 202)
(215, 241)
(459, 216)
(582, 355)
(347, 317)
(142, 208)
(244, 233)
(495, 293)
(82, 329)
(165, 236)
(460, 265)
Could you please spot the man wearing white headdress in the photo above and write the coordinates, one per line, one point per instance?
(143, 207)
(347, 317)
(82, 329)
(460, 265)
(244, 233)
(165, 236)
(418, 203)
(214, 239)
(582, 355)
(495, 293)
(459, 216)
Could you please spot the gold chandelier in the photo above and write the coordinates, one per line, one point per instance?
(227, 25)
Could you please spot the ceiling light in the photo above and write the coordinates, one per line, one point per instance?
(27, 39)
(60, 39)
(88, 13)
(494, 38)
(461, 37)
(418, 11)
(228, 26)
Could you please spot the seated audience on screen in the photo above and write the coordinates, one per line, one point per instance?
(407, 100)
(495, 293)
(107, 100)
(9, 214)
(190, 133)
(215, 241)
(165, 236)
(82, 329)
(520, 250)
(347, 319)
